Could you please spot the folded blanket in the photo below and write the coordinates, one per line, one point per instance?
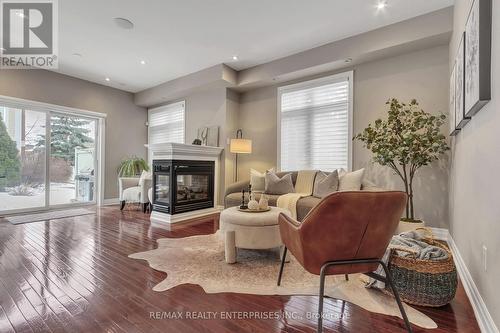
(303, 188)
(419, 249)
(413, 241)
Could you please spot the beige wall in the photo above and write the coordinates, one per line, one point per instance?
(474, 181)
(422, 75)
(215, 106)
(257, 119)
(232, 125)
(125, 122)
(205, 108)
(216, 76)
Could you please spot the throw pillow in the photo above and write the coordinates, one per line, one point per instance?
(325, 184)
(277, 185)
(258, 180)
(145, 175)
(351, 181)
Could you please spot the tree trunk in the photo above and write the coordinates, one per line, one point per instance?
(412, 214)
(412, 208)
(405, 180)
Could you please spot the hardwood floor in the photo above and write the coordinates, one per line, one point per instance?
(73, 275)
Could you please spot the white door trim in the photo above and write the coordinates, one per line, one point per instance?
(22, 103)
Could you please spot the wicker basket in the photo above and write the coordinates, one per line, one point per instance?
(423, 282)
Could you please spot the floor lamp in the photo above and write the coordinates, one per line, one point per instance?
(240, 146)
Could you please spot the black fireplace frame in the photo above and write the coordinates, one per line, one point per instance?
(183, 167)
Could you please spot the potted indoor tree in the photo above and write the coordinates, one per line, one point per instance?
(407, 140)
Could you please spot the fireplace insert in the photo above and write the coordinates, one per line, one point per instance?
(182, 186)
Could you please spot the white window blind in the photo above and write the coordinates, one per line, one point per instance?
(166, 123)
(315, 125)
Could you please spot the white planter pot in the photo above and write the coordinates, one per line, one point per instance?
(408, 226)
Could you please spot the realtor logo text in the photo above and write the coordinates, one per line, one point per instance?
(28, 34)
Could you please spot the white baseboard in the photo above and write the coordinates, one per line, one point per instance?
(441, 234)
(483, 317)
(109, 202)
(165, 221)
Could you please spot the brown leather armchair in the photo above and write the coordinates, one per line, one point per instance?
(346, 233)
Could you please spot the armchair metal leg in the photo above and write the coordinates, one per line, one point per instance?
(321, 295)
(122, 204)
(283, 259)
(396, 296)
(387, 279)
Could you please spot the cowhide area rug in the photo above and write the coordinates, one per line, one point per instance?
(200, 260)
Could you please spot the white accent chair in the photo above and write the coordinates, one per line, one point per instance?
(150, 197)
(132, 190)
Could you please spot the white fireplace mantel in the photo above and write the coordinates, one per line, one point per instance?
(179, 151)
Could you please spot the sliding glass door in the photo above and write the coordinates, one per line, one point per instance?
(22, 159)
(72, 161)
(47, 159)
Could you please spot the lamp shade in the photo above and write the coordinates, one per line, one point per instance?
(241, 146)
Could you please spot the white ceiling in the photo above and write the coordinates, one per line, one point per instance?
(178, 37)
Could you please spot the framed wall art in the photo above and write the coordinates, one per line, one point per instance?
(478, 57)
(453, 125)
(460, 118)
(209, 136)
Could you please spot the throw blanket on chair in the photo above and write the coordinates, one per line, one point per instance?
(303, 188)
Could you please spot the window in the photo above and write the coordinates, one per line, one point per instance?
(315, 124)
(166, 123)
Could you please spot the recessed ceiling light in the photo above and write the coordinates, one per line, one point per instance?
(123, 23)
(235, 57)
(382, 4)
(143, 62)
(348, 60)
(107, 79)
(79, 55)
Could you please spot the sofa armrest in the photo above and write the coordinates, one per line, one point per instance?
(237, 187)
(125, 183)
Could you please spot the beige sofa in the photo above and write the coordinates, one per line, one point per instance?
(233, 195)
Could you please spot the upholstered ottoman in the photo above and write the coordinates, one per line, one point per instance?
(256, 231)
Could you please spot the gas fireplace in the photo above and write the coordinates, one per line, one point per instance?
(181, 186)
